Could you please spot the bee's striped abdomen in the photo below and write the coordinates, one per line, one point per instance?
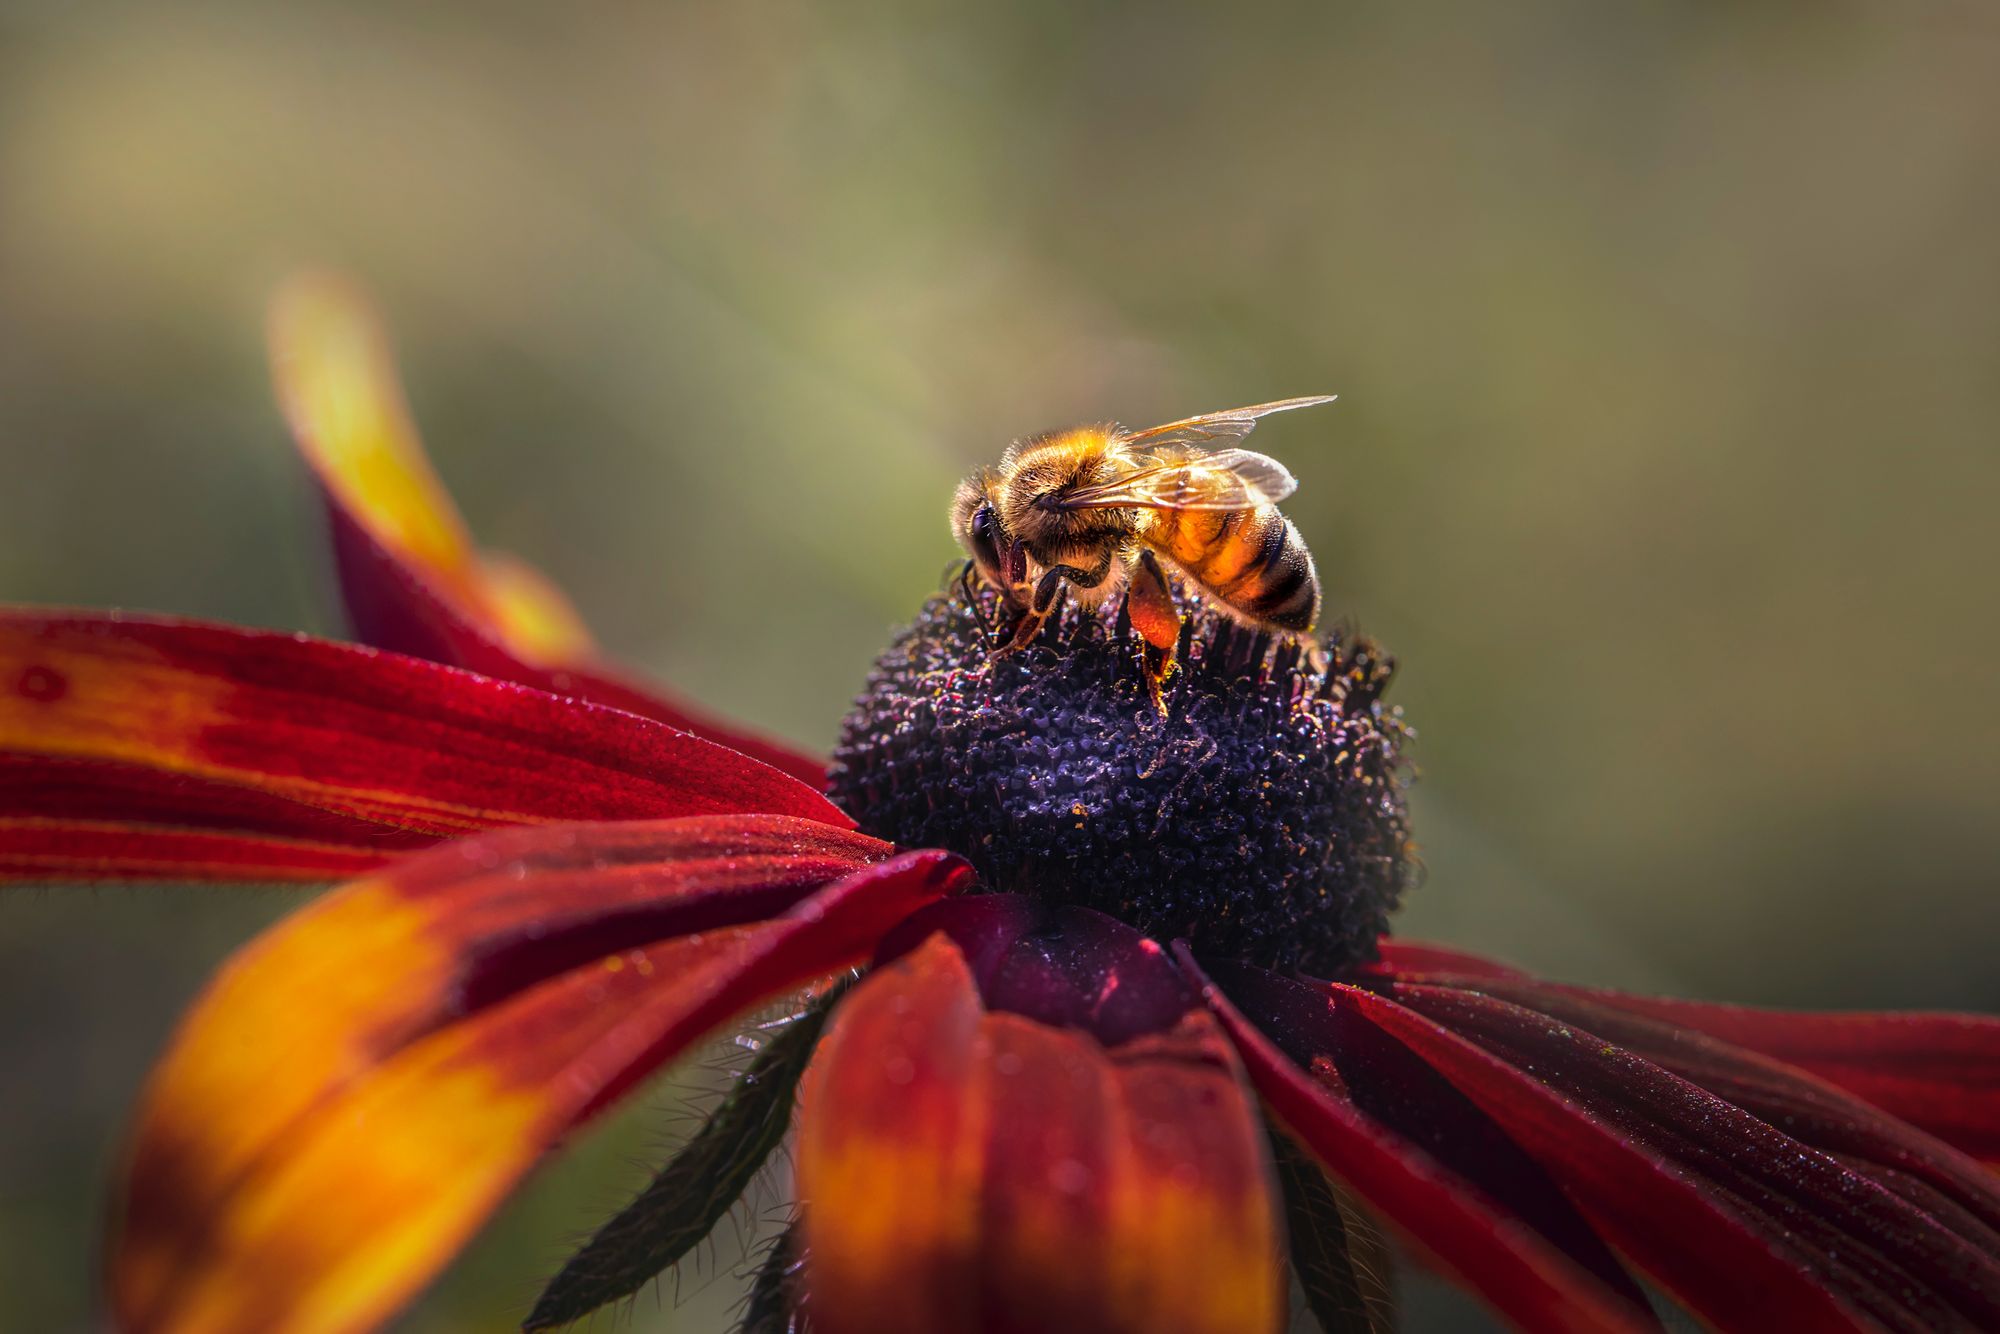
(1285, 587)
(1252, 559)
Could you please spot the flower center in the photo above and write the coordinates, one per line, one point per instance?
(1262, 819)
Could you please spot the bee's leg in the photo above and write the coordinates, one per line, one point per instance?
(1149, 601)
(1047, 589)
(1032, 618)
(1009, 570)
(1015, 626)
(1073, 574)
(1012, 632)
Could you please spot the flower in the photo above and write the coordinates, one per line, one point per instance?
(1028, 1112)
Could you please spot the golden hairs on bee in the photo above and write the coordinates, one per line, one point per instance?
(1096, 508)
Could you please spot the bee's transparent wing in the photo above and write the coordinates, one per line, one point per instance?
(1214, 429)
(1265, 479)
(1229, 479)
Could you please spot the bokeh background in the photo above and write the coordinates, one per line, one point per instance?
(1667, 338)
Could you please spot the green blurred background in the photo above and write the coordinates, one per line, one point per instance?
(1667, 339)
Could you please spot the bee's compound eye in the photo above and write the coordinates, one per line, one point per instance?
(982, 523)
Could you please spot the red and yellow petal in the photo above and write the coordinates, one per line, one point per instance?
(357, 974)
(361, 1086)
(970, 1170)
(410, 574)
(891, 1151)
(130, 744)
(337, 384)
(530, 613)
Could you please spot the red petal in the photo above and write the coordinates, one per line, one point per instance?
(1805, 1107)
(975, 1171)
(73, 820)
(40, 851)
(411, 577)
(1467, 1232)
(1401, 958)
(361, 1086)
(180, 727)
(1747, 1226)
(1938, 1071)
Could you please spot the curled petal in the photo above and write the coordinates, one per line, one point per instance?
(132, 744)
(531, 612)
(969, 1170)
(1511, 1241)
(1748, 1226)
(409, 573)
(338, 385)
(358, 1089)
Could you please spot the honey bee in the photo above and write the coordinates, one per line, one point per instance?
(1097, 508)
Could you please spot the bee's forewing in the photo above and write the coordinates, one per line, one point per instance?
(1217, 428)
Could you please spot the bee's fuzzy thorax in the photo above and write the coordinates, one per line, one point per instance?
(1263, 818)
(1037, 470)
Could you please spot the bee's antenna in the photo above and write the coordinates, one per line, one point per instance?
(970, 592)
